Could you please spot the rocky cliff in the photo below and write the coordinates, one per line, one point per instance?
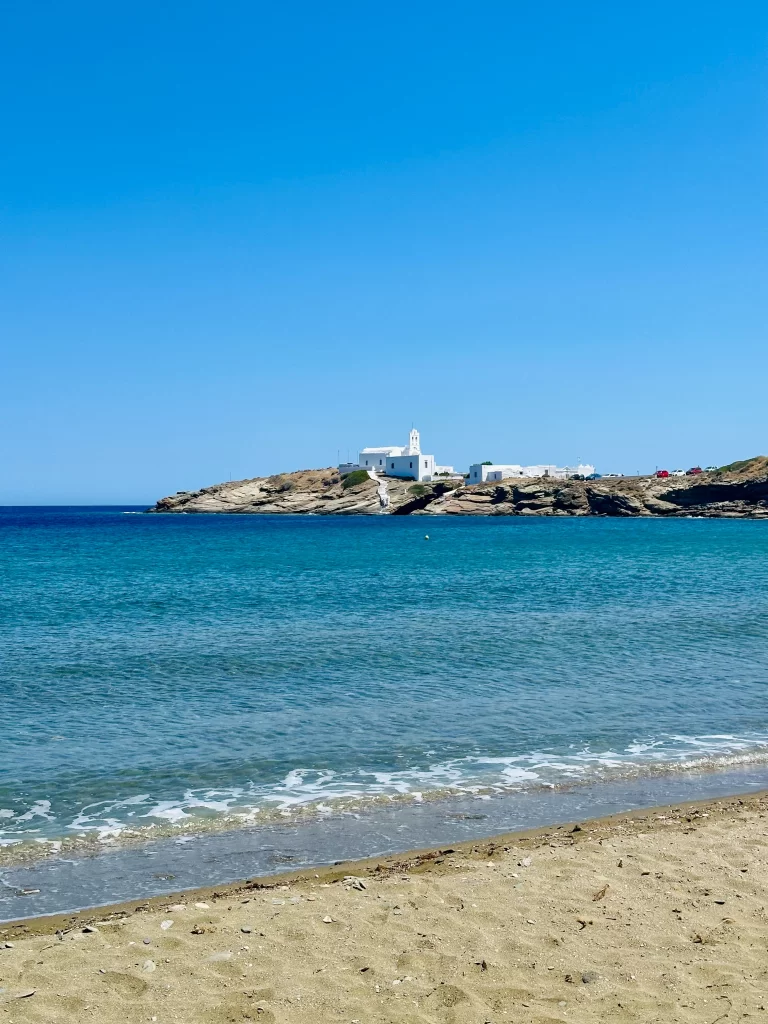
(736, 491)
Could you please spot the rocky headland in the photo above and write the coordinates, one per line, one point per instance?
(739, 490)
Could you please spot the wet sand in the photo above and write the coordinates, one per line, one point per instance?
(652, 916)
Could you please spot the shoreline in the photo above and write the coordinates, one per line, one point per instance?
(60, 884)
(34, 850)
(425, 859)
(652, 915)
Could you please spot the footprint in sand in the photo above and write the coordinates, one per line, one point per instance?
(125, 984)
(446, 995)
(242, 1007)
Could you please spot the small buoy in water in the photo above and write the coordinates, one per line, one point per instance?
(426, 536)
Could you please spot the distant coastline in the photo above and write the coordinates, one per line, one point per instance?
(737, 491)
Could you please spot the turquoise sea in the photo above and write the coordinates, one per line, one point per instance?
(177, 677)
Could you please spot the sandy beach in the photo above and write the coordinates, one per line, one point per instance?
(650, 916)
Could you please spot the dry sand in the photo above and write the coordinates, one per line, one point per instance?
(659, 916)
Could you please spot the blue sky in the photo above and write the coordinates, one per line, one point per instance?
(240, 237)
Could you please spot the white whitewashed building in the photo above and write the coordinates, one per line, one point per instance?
(414, 466)
(407, 461)
(480, 473)
(375, 458)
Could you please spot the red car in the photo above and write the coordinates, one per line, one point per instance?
(694, 471)
(662, 472)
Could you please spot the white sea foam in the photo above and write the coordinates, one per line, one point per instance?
(305, 789)
(169, 810)
(39, 809)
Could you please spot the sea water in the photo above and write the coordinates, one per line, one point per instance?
(194, 680)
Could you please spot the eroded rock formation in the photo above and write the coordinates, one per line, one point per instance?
(737, 491)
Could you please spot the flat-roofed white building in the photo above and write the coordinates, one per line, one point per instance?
(553, 472)
(411, 467)
(480, 473)
(375, 458)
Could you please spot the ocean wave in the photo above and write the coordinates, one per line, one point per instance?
(311, 793)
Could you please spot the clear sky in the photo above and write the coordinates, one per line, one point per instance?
(237, 238)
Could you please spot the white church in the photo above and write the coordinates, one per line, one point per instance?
(407, 462)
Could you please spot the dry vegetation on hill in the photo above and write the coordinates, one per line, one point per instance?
(739, 490)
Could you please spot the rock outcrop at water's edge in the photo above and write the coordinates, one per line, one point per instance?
(737, 491)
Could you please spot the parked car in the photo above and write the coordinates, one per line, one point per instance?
(612, 475)
(710, 469)
(595, 476)
(677, 472)
(662, 473)
(693, 471)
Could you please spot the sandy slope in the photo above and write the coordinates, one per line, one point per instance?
(657, 917)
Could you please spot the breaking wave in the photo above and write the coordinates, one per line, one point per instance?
(306, 793)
